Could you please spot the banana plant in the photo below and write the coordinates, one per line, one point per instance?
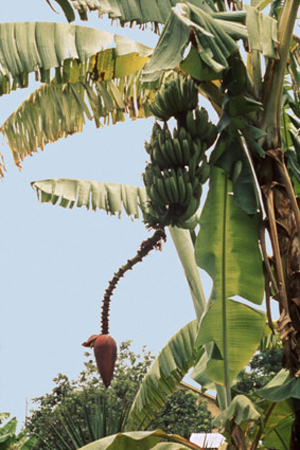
(10, 439)
(252, 171)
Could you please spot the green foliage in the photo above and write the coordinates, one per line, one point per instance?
(182, 414)
(263, 367)
(248, 169)
(10, 440)
(81, 411)
(171, 365)
(227, 233)
(142, 440)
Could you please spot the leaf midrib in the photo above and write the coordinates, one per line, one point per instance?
(224, 296)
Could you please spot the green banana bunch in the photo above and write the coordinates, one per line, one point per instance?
(172, 192)
(177, 151)
(160, 147)
(178, 167)
(178, 94)
(198, 125)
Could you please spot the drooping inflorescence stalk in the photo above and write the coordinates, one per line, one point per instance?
(153, 243)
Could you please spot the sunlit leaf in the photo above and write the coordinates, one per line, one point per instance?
(226, 235)
(241, 408)
(139, 12)
(142, 440)
(110, 197)
(57, 110)
(214, 40)
(173, 362)
(262, 31)
(40, 46)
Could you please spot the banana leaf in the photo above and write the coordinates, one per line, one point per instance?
(110, 197)
(143, 440)
(40, 46)
(171, 365)
(227, 249)
(85, 62)
(57, 110)
(126, 11)
(275, 430)
(8, 434)
(213, 38)
(262, 31)
(280, 436)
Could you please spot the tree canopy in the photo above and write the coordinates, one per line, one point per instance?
(80, 411)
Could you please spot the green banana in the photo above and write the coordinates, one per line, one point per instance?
(204, 172)
(166, 131)
(161, 103)
(197, 150)
(171, 98)
(178, 152)
(161, 138)
(189, 138)
(201, 122)
(185, 92)
(205, 129)
(197, 187)
(192, 166)
(148, 175)
(186, 151)
(181, 133)
(158, 157)
(211, 135)
(179, 88)
(169, 152)
(185, 175)
(188, 193)
(148, 148)
(155, 130)
(193, 94)
(159, 109)
(191, 209)
(181, 185)
(162, 192)
(167, 184)
(174, 188)
(155, 195)
(190, 123)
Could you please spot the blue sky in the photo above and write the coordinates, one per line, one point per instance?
(56, 263)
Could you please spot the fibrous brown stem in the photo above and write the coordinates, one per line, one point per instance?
(284, 230)
(237, 437)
